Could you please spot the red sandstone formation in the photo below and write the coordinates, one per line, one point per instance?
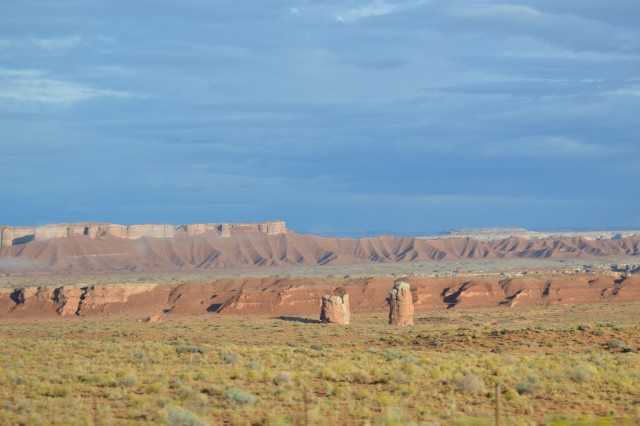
(401, 304)
(300, 297)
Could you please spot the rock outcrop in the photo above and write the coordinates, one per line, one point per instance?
(294, 298)
(335, 309)
(110, 298)
(401, 304)
(19, 235)
(69, 300)
(151, 319)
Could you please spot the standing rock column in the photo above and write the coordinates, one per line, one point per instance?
(400, 304)
(335, 309)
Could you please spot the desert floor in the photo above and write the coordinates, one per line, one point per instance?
(560, 365)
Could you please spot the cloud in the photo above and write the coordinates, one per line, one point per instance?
(552, 147)
(496, 13)
(375, 8)
(633, 90)
(528, 21)
(58, 43)
(32, 85)
(50, 44)
(279, 107)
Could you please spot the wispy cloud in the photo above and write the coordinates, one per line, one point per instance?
(546, 147)
(497, 11)
(51, 44)
(531, 22)
(375, 8)
(57, 43)
(32, 85)
(627, 91)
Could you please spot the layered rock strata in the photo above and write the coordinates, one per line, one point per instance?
(335, 309)
(296, 298)
(401, 304)
(19, 235)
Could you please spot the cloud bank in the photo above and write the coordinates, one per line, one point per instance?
(350, 116)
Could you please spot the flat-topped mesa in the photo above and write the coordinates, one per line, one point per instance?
(14, 235)
(335, 309)
(401, 307)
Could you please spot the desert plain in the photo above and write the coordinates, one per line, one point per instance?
(219, 324)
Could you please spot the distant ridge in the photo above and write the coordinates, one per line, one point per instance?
(88, 249)
(488, 234)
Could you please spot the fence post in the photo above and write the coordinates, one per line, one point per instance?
(306, 408)
(498, 404)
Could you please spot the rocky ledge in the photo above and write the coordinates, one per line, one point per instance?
(303, 297)
(14, 235)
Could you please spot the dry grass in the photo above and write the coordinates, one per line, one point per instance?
(558, 365)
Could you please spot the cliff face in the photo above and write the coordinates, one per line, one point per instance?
(10, 236)
(303, 296)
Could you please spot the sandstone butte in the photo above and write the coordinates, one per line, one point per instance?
(302, 297)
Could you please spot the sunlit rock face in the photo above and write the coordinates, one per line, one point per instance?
(335, 309)
(20, 235)
(400, 304)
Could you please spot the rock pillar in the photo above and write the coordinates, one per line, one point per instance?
(400, 304)
(335, 309)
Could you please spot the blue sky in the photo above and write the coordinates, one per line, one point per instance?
(340, 117)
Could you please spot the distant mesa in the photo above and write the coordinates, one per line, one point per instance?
(490, 234)
(102, 248)
(16, 235)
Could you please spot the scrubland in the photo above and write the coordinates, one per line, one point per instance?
(572, 365)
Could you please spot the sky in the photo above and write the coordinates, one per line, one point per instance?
(340, 117)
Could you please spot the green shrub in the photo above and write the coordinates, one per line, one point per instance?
(615, 343)
(529, 386)
(182, 417)
(191, 350)
(130, 380)
(469, 383)
(229, 357)
(282, 378)
(239, 397)
(59, 392)
(579, 374)
(254, 366)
